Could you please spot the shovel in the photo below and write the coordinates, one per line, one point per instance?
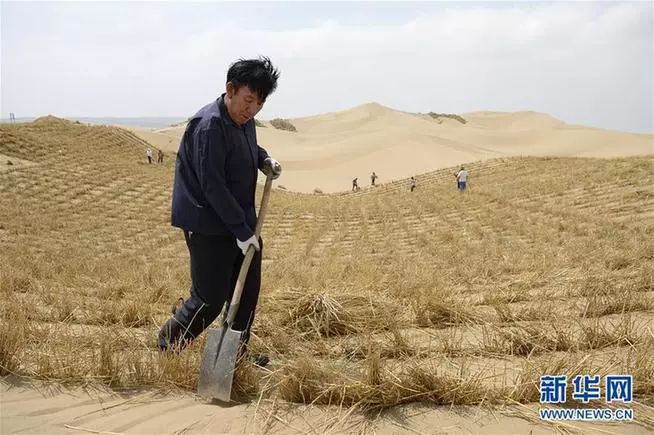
(222, 346)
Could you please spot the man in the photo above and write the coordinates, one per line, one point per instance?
(355, 184)
(462, 178)
(213, 201)
(160, 156)
(148, 154)
(373, 177)
(413, 184)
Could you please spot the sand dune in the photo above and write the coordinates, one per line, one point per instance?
(8, 163)
(328, 150)
(91, 266)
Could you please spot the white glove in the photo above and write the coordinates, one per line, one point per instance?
(270, 164)
(246, 244)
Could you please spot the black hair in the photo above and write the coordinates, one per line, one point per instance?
(257, 74)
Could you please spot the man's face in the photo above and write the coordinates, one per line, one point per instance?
(242, 104)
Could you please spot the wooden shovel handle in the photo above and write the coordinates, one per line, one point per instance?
(249, 255)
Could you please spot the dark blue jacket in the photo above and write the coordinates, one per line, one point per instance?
(216, 174)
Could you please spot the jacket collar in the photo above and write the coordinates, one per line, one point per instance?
(223, 114)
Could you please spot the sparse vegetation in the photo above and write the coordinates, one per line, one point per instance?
(283, 124)
(438, 116)
(369, 298)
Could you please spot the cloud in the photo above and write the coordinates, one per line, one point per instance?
(583, 62)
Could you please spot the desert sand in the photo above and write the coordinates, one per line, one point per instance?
(573, 226)
(329, 150)
(8, 163)
(42, 408)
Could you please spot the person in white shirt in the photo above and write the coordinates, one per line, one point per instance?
(148, 154)
(462, 179)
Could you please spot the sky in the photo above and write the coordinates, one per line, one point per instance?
(585, 63)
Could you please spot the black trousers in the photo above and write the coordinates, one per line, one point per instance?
(215, 264)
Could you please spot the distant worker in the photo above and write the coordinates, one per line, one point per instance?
(148, 154)
(160, 156)
(413, 183)
(462, 179)
(355, 184)
(373, 177)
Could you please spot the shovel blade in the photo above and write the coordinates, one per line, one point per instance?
(218, 363)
